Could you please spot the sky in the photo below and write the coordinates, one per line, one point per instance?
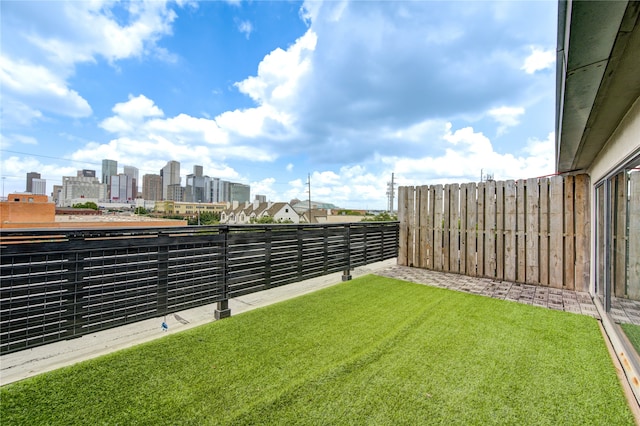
(273, 94)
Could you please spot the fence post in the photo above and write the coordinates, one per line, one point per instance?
(222, 310)
(346, 274)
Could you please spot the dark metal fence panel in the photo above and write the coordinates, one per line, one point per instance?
(56, 284)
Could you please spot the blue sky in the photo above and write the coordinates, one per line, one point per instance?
(266, 93)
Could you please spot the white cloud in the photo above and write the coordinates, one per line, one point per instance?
(470, 152)
(289, 167)
(279, 72)
(43, 45)
(25, 140)
(506, 117)
(37, 87)
(137, 107)
(245, 28)
(538, 60)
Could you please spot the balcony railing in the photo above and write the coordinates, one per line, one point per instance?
(57, 285)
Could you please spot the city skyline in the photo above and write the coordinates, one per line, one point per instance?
(271, 93)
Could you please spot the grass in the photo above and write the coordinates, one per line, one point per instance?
(371, 351)
(633, 334)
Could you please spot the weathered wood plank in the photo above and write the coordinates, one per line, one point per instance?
(437, 226)
(633, 268)
(544, 231)
(510, 221)
(532, 228)
(446, 226)
(404, 226)
(423, 196)
(402, 231)
(556, 230)
(471, 230)
(481, 229)
(403, 244)
(583, 230)
(490, 230)
(411, 255)
(463, 228)
(500, 230)
(521, 208)
(430, 236)
(454, 228)
(569, 259)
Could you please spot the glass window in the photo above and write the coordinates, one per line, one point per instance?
(617, 279)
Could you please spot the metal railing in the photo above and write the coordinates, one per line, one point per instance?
(57, 285)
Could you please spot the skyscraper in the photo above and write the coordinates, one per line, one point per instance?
(121, 188)
(109, 168)
(132, 172)
(152, 187)
(195, 187)
(30, 177)
(240, 192)
(39, 186)
(170, 177)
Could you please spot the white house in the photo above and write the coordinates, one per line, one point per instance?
(253, 212)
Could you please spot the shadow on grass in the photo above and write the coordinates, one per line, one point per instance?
(374, 350)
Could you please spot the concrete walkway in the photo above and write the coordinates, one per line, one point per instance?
(20, 365)
(546, 297)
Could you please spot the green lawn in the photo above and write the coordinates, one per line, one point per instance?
(370, 351)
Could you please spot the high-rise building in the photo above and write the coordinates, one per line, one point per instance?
(240, 192)
(86, 173)
(121, 188)
(170, 177)
(30, 177)
(261, 198)
(213, 190)
(109, 168)
(152, 187)
(194, 190)
(132, 172)
(76, 187)
(225, 191)
(175, 193)
(39, 186)
(56, 195)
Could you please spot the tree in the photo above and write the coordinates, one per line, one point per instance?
(141, 211)
(206, 218)
(381, 217)
(87, 205)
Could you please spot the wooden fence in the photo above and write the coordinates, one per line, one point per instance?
(61, 284)
(533, 231)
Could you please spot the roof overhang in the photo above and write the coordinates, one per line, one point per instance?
(598, 76)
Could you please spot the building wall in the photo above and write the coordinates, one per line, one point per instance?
(30, 177)
(152, 187)
(109, 168)
(81, 187)
(240, 192)
(26, 208)
(619, 148)
(38, 186)
(623, 146)
(170, 177)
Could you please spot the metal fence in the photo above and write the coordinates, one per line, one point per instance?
(57, 285)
